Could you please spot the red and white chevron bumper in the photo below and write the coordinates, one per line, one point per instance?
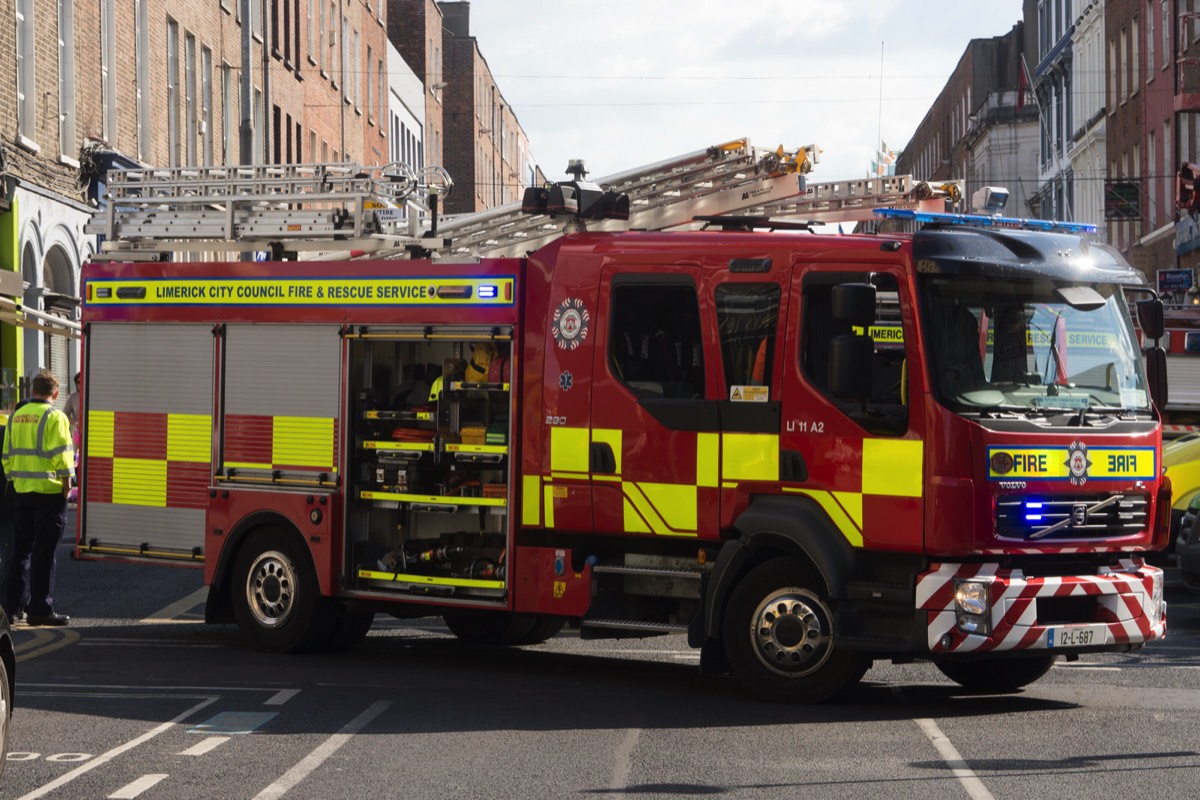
(1113, 609)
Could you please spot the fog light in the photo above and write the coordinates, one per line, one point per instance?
(971, 597)
(973, 623)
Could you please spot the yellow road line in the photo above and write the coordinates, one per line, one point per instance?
(44, 641)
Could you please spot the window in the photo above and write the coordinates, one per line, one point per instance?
(370, 87)
(66, 77)
(108, 68)
(311, 43)
(383, 95)
(332, 49)
(228, 115)
(1149, 41)
(206, 101)
(655, 345)
(190, 100)
(1134, 58)
(322, 33)
(141, 47)
(886, 410)
(172, 92)
(747, 322)
(356, 65)
(257, 133)
(1166, 33)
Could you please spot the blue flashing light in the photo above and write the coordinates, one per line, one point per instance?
(1033, 517)
(984, 221)
(1032, 509)
(487, 292)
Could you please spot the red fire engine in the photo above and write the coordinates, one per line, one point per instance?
(803, 451)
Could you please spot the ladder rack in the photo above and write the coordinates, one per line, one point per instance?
(717, 180)
(320, 207)
(341, 208)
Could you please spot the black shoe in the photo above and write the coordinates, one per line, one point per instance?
(50, 619)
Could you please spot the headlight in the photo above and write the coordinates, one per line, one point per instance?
(971, 597)
(972, 611)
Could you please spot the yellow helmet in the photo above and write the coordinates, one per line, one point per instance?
(435, 389)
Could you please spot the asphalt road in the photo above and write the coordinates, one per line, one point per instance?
(139, 699)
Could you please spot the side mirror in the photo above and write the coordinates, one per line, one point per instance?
(854, 304)
(850, 366)
(1156, 370)
(1150, 318)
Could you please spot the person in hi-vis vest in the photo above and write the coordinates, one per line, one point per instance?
(38, 459)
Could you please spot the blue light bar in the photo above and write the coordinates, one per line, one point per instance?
(487, 292)
(984, 221)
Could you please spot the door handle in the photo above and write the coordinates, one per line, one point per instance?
(601, 458)
(792, 466)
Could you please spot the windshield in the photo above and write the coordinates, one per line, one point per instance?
(1030, 345)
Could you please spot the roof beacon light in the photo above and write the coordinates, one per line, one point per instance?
(984, 221)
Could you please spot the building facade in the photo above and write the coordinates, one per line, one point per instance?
(982, 128)
(163, 83)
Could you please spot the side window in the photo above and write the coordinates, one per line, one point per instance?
(886, 412)
(747, 321)
(655, 347)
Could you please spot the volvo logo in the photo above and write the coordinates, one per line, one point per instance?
(1079, 514)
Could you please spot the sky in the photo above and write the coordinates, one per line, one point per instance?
(623, 83)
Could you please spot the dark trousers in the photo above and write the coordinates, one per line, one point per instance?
(39, 521)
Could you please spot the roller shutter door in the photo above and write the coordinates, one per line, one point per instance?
(147, 438)
(281, 386)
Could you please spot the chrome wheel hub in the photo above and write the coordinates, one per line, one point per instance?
(791, 632)
(271, 589)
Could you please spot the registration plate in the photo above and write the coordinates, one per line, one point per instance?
(1075, 636)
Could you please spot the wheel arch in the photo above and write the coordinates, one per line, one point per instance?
(772, 527)
(219, 607)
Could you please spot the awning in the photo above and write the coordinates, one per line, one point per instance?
(14, 313)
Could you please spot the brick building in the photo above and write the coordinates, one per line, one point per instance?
(161, 83)
(485, 150)
(415, 29)
(980, 129)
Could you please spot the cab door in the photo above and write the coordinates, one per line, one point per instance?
(861, 462)
(654, 444)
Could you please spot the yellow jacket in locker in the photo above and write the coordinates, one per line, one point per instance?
(37, 448)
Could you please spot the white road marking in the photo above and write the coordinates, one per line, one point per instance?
(621, 769)
(281, 697)
(330, 746)
(181, 606)
(104, 758)
(211, 743)
(136, 788)
(950, 755)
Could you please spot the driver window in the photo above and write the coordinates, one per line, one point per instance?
(886, 412)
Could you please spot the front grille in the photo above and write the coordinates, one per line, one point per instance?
(1024, 518)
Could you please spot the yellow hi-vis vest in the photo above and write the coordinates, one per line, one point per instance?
(37, 451)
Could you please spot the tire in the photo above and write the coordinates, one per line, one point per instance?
(544, 629)
(349, 628)
(6, 708)
(491, 628)
(779, 636)
(996, 675)
(275, 595)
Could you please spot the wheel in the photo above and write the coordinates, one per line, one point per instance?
(349, 628)
(996, 675)
(5, 713)
(779, 636)
(492, 628)
(544, 629)
(275, 596)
